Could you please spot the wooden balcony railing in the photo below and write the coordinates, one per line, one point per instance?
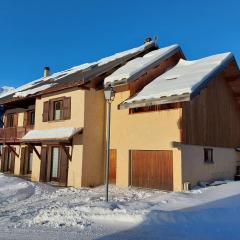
(10, 134)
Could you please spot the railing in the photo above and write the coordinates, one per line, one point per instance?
(13, 133)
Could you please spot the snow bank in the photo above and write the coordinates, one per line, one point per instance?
(31, 209)
(138, 64)
(57, 133)
(184, 78)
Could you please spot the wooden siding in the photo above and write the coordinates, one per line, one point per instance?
(152, 169)
(213, 117)
(149, 76)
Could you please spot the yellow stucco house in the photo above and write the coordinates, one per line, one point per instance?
(173, 121)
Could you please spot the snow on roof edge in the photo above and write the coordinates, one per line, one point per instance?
(120, 78)
(191, 92)
(26, 89)
(56, 133)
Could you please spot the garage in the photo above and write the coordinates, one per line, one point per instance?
(152, 169)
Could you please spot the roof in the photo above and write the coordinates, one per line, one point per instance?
(136, 67)
(58, 134)
(83, 73)
(180, 82)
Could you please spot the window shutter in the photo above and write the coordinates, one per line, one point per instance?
(25, 119)
(22, 160)
(67, 108)
(63, 168)
(45, 111)
(15, 119)
(49, 164)
(6, 155)
(43, 165)
(26, 160)
(13, 160)
(5, 120)
(51, 110)
(3, 160)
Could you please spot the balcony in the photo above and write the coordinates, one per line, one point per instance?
(13, 134)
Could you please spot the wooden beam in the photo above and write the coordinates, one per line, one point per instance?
(63, 146)
(12, 150)
(34, 149)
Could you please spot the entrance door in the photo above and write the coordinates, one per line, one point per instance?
(55, 164)
(152, 169)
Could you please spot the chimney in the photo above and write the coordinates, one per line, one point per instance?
(147, 40)
(46, 71)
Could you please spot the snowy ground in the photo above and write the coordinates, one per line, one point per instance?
(38, 211)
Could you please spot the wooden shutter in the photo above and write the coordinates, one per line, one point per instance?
(3, 160)
(67, 108)
(49, 164)
(51, 111)
(6, 156)
(25, 119)
(43, 166)
(26, 157)
(5, 120)
(15, 119)
(63, 168)
(45, 111)
(13, 160)
(22, 161)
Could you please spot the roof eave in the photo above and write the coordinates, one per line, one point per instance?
(158, 101)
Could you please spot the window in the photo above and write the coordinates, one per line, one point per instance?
(57, 110)
(208, 155)
(55, 164)
(31, 118)
(10, 120)
(30, 157)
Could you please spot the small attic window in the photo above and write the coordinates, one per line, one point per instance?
(208, 155)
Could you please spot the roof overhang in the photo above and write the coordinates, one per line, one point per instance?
(188, 96)
(151, 102)
(59, 135)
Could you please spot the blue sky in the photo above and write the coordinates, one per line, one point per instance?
(65, 33)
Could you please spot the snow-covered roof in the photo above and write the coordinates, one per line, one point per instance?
(6, 89)
(184, 78)
(138, 66)
(82, 72)
(51, 134)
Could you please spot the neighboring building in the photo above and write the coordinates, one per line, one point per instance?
(173, 121)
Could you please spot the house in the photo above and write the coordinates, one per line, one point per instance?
(173, 121)
(176, 125)
(54, 126)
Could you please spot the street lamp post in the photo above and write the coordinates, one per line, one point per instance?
(109, 96)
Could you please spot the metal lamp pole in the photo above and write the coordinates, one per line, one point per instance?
(109, 96)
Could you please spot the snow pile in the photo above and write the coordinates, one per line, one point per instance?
(57, 133)
(37, 211)
(50, 81)
(139, 64)
(184, 78)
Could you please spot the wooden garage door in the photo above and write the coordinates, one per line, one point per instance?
(152, 169)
